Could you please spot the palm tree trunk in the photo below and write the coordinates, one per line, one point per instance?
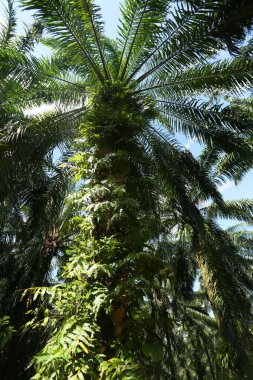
(118, 214)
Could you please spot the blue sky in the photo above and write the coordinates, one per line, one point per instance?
(111, 13)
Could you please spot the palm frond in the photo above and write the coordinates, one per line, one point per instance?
(198, 120)
(138, 29)
(191, 44)
(240, 210)
(91, 16)
(233, 76)
(70, 28)
(8, 30)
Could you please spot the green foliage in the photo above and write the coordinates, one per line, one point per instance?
(119, 369)
(6, 331)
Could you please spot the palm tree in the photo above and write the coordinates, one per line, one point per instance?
(128, 97)
(34, 185)
(34, 216)
(34, 182)
(233, 246)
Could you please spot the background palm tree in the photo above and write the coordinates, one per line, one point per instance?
(34, 186)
